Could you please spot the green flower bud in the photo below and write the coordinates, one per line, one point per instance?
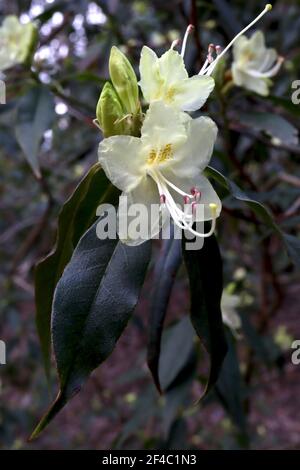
(109, 112)
(124, 80)
(17, 42)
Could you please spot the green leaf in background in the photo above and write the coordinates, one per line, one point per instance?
(286, 104)
(75, 217)
(291, 242)
(274, 125)
(92, 304)
(229, 387)
(35, 114)
(177, 349)
(164, 276)
(204, 269)
(177, 370)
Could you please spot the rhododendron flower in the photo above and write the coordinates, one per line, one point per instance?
(165, 78)
(17, 41)
(229, 305)
(254, 64)
(164, 166)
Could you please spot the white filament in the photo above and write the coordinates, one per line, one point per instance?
(270, 73)
(184, 42)
(180, 218)
(210, 68)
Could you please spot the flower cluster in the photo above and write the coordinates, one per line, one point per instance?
(17, 42)
(159, 158)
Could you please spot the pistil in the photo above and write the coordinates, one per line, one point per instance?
(208, 69)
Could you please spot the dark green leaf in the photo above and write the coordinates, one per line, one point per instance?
(229, 386)
(272, 124)
(264, 347)
(178, 338)
(292, 243)
(92, 304)
(76, 216)
(287, 104)
(177, 399)
(169, 262)
(35, 114)
(204, 269)
(177, 371)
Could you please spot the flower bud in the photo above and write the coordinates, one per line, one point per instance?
(109, 112)
(124, 81)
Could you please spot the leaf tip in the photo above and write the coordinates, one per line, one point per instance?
(57, 405)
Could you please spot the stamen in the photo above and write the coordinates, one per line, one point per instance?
(218, 50)
(194, 206)
(210, 69)
(211, 50)
(269, 73)
(172, 185)
(184, 42)
(175, 43)
(213, 208)
(196, 193)
(181, 218)
(202, 70)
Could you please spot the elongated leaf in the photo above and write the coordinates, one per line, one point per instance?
(179, 337)
(229, 387)
(291, 242)
(204, 269)
(274, 125)
(164, 278)
(93, 302)
(76, 216)
(177, 399)
(35, 115)
(286, 103)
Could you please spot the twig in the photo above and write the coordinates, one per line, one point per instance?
(291, 179)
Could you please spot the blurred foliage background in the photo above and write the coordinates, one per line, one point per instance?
(256, 401)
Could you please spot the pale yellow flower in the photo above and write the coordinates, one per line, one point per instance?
(16, 42)
(164, 166)
(254, 64)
